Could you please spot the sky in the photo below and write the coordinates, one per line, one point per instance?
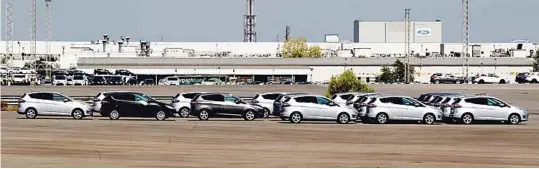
(222, 20)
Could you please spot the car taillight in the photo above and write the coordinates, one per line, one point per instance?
(363, 104)
(457, 106)
(194, 101)
(286, 105)
(255, 101)
(96, 100)
(175, 100)
(445, 105)
(436, 105)
(371, 105)
(349, 102)
(21, 101)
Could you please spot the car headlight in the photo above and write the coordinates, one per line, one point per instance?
(170, 107)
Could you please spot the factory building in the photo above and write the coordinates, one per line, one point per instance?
(394, 32)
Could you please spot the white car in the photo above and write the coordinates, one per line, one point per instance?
(469, 109)
(182, 103)
(78, 80)
(314, 107)
(361, 105)
(267, 100)
(26, 71)
(385, 108)
(20, 79)
(171, 80)
(446, 107)
(59, 80)
(490, 78)
(51, 104)
(533, 77)
(341, 98)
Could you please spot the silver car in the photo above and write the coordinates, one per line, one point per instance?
(384, 108)
(315, 107)
(487, 108)
(51, 104)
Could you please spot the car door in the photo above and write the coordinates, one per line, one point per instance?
(324, 110)
(483, 111)
(411, 112)
(309, 106)
(500, 110)
(215, 101)
(44, 102)
(232, 105)
(396, 107)
(143, 106)
(61, 104)
(126, 104)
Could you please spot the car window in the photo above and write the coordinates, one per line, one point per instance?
(323, 101)
(139, 97)
(58, 97)
(190, 95)
(306, 99)
(214, 97)
(346, 96)
(480, 101)
(372, 100)
(230, 99)
(333, 97)
(41, 96)
(446, 100)
(270, 96)
(407, 102)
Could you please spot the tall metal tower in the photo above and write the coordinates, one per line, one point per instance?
(9, 32)
(33, 31)
(465, 37)
(407, 30)
(249, 34)
(287, 33)
(48, 67)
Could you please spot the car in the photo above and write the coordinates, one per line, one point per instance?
(147, 82)
(278, 103)
(486, 108)
(99, 80)
(182, 103)
(96, 105)
(438, 78)
(79, 80)
(300, 108)
(20, 79)
(133, 104)
(490, 78)
(123, 72)
(521, 77)
(445, 106)
(59, 80)
(266, 100)
(102, 72)
(341, 98)
(114, 80)
(532, 77)
(401, 108)
(361, 105)
(35, 104)
(207, 105)
(171, 80)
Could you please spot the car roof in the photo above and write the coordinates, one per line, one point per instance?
(43, 92)
(343, 93)
(307, 95)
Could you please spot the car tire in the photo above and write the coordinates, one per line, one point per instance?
(343, 118)
(381, 118)
(429, 118)
(481, 81)
(458, 82)
(514, 119)
(295, 117)
(204, 115)
(534, 81)
(114, 115)
(502, 81)
(266, 113)
(436, 82)
(160, 115)
(184, 112)
(249, 115)
(467, 118)
(30, 113)
(77, 114)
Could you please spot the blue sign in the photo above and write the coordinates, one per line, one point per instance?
(423, 32)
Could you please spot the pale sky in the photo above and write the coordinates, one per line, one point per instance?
(222, 20)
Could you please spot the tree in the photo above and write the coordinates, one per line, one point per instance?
(396, 73)
(298, 48)
(347, 82)
(536, 63)
(387, 75)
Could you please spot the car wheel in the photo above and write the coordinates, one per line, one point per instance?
(266, 113)
(343, 118)
(204, 115)
(502, 81)
(381, 118)
(160, 115)
(114, 115)
(184, 112)
(249, 115)
(514, 119)
(467, 118)
(31, 113)
(295, 117)
(429, 119)
(436, 82)
(481, 81)
(458, 82)
(77, 114)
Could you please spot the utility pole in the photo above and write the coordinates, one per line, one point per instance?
(249, 34)
(33, 33)
(48, 71)
(465, 37)
(287, 33)
(9, 32)
(407, 30)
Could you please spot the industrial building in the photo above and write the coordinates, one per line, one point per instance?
(394, 32)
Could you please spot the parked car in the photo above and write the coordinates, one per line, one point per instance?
(490, 78)
(96, 105)
(182, 103)
(532, 77)
(278, 103)
(521, 77)
(206, 105)
(102, 72)
(99, 80)
(123, 72)
(438, 78)
(446, 107)
(114, 80)
(313, 107)
(51, 104)
(486, 108)
(80, 80)
(132, 104)
(385, 108)
(20, 79)
(361, 105)
(147, 82)
(59, 80)
(171, 80)
(341, 98)
(266, 100)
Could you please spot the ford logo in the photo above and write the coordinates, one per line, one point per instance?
(423, 32)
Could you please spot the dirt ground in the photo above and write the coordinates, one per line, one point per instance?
(232, 142)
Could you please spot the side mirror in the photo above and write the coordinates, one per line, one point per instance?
(65, 100)
(417, 105)
(238, 101)
(143, 103)
(332, 104)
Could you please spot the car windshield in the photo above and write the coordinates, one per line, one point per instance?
(172, 79)
(60, 77)
(141, 97)
(78, 78)
(18, 76)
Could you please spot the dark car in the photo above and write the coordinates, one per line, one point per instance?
(98, 80)
(278, 103)
(102, 72)
(114, 80)
(131, 104)
(521, 77)
(209, 104)
(147, 82)
(439, 78)
(124, 72)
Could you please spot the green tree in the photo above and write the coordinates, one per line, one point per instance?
(347, 82)
(387, 75)
(315, 52)
(536, 63)
(295, 48)
(399, 71)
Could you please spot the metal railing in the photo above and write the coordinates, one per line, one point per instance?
(12, 99)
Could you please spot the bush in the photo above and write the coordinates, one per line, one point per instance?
(347, 82)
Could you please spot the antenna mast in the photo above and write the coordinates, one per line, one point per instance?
(33, 32)
(9, 32)
(249, 34)
(48, 67)
(407, 30)
(465, 37)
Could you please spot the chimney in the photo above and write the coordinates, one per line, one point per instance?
(127, 40)
(148, 49)
(104, 46)
(106, 38)
(142, 47)
(120, 43)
